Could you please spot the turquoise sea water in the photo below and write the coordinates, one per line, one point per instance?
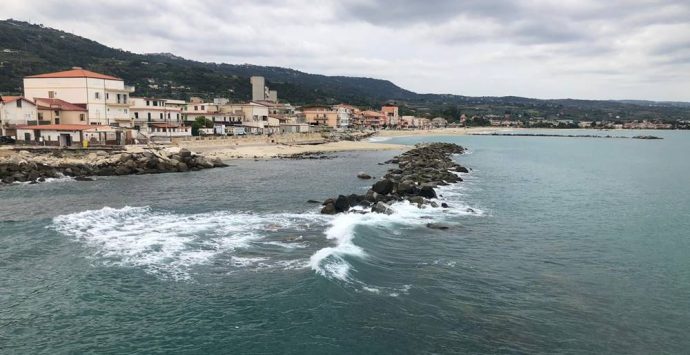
(574, 246)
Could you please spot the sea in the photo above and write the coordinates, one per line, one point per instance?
(556, 246)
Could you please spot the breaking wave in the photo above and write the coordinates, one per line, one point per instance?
(169, 244)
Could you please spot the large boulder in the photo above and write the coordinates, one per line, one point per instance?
(427, 192)
(383, 187)
(328, 209)
(342, 204)
(185, 153)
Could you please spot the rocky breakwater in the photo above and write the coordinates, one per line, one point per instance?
(27, 167)
(420, 171)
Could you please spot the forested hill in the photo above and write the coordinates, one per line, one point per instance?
(27, 49)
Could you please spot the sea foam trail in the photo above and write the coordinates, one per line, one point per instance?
(331, 262)
(170, 244)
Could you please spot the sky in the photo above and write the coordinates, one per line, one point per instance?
(584, 49)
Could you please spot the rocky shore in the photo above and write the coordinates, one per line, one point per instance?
(419, 172)
(25, 166)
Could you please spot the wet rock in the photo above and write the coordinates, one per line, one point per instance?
(328, 209)
(427, 192)
(382, 207)
(383, 187)
(364, 176)
(342, 204)
(437, 226)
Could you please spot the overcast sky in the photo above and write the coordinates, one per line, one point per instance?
(607, 49)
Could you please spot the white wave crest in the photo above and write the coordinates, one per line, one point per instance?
(170, 244)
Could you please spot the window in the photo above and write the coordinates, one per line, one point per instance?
(202, 108)
(40, 116)
(161, 115)
(148, 116)
(168, 115)
(124, 98)
(82, 117)
(119, 98)
(57, 120)
(155, 103)
(107, 96)
(51, 94)
(57, 113)
(97, 95)
(196, 108)
(136, 115)
(19, 103)
(148, 103)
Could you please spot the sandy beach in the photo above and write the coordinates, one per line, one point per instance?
(234, 149)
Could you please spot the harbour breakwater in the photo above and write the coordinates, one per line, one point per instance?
(33, 168)
(560, 135)
(420, 171)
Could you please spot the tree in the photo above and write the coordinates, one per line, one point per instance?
(201, 122)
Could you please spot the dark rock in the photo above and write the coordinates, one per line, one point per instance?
(185, 153)
(328, 209)
(383, 187)
(445, 205)
(382, 207)
(437, 226)
(364, 176)
(428, 192)
(313, 201)
(342, 204)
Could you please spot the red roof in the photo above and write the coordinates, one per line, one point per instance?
(75, 73)
(9, 99)
(61, 105)
(57, 127)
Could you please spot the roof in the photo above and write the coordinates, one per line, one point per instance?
(74, 73)
(10, 99)
(61, 105)
(57, 127)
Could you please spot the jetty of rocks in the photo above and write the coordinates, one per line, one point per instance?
(419, 172)
(27, 167)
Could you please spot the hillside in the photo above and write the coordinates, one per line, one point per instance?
(27, 49)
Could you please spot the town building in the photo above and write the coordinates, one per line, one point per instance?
(260, 92)
(320, 116)
(392, 115)
(105, 97)
(14, 111)
(56, 111)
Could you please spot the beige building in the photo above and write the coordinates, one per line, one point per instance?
(320, 116)
(392, 116)
(145, 111)
(14, 111)
(56, 111)
(105, 97)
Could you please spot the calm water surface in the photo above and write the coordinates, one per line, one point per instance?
(573, 246)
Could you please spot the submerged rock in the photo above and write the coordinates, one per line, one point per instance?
(364, 176)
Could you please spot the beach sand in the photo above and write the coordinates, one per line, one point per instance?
(267, 151)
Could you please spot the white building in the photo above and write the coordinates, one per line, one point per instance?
(105, 97)
(14, 111)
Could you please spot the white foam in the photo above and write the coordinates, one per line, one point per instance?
(169, 244)
(331, 262)
(379, 139)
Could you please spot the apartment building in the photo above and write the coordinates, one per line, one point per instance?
(105, 97)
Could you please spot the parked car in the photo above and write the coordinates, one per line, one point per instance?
(7, 140)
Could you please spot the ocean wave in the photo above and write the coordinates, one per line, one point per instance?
(170, 244)
(331, 262)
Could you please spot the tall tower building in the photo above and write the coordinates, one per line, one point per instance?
(258, 88)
